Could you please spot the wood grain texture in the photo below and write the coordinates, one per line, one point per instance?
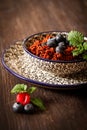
(65, 110)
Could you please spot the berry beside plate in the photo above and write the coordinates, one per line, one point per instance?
(24, 103)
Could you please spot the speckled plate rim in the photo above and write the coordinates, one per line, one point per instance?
(41, 84)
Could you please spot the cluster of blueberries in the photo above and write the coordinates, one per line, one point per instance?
(59, 42)
(28, 108)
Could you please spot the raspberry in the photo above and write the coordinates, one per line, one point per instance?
(23, 98)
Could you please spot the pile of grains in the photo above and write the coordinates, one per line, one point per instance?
(19, 61)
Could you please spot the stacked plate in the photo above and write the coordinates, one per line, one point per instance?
(47, 73)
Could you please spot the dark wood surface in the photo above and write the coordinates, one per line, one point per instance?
(65, 109)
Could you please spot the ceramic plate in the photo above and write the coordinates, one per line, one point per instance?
(17, 62)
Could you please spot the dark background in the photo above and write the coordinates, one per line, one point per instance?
(65, 110)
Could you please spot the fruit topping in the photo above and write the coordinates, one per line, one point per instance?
(62, 45)
(51, 42)
(59, 49)
(60, 38)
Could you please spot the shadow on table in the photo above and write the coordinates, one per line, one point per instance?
(81, 91)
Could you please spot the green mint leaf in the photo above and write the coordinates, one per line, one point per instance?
(85, 56)
(75, 38)
(38, 102)
(75, 52)
(78, 51)
(19, 88)
(85, 45)
(31, 90)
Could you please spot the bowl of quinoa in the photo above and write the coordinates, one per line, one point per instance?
(57, 52)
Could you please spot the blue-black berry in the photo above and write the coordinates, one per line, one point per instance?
(17, 107)
(51, 42)
(59, 50)
(29, 108)
(62, 45)
(60, 38)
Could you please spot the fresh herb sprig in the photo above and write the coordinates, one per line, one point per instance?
(76, 39)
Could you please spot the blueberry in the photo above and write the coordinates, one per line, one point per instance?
(60, 38)
(17, 107)
(62, 45)
(59, 50)
(67, 42)
(29, 108)
(51, 42)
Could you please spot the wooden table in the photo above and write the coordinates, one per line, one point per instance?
(65, 110)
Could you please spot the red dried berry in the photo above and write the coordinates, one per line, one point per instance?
(23, 98)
